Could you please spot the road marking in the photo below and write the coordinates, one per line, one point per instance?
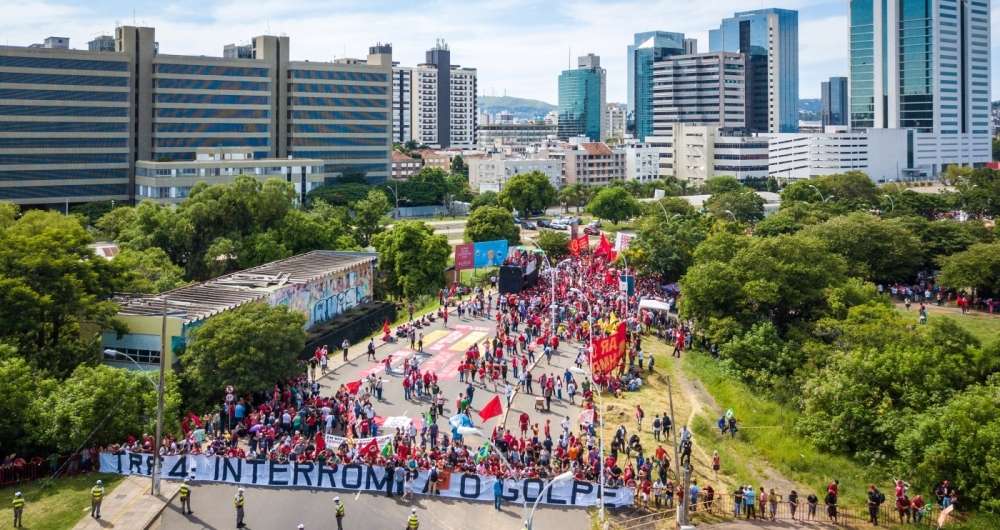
(434, 336)
(467, 341)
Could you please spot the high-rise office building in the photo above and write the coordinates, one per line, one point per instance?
(700, 89)
(648, 47)
(76, 122)
(402, 101)
(770, 39)
(690, 46)
(925, 65)
(833, 102)
(616, 120)
(583, 100)
(442, 101)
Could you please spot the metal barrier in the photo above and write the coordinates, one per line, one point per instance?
(38, 469)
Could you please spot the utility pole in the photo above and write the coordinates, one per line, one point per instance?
(157, 461)
(682, 517)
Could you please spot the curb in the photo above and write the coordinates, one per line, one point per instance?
(159, 512)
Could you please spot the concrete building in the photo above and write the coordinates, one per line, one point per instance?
(514, 134)
(924, 65)
(233, 51)
(690, 46)
(171, 182)
(591, 163)
(104, 43)
(403, 167)
(491, 173)
(702, 152)
(834, 109)
(770, 40)
(402, 104)
(438, 159)
(84, 118)
(583, 100)
(443, 101)
(615, 118)
(642, 162)
(321, 285)
(701, 89)
(648, 48)
(796, 156)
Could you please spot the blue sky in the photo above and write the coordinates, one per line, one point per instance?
(518, 46)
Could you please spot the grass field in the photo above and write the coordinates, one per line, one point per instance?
(985, 328)
(55, 505)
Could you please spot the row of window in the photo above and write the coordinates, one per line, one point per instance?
(335, 75)
(62, 174)
(139, 356)
(62, 95)
(63, 64)
(763, 156)
(71, 158)
(338, 128)
(206, 84)
(211, 127)
(201, 69)
(337, 142)
(63, 143)
(338, 115)
(336, 89)
(342, 155)
(339, 102)
(369, 168)
(164, 192)
(63, 79)
(212, 99)
(214, 142)
(63, 127)
(97, 191)
(62, 110)
(249, 114)
(742, 168)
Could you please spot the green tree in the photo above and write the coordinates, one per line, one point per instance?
(491, 223)
(486, 198)
(978, 267)
(573, 195)
(553, 243)
(670, 207)
(670, 245)
(9, 212)
(527, 192)
(149, 271)
(996, 149)
(760, 356)
(20, 391)
(352, 176)
(723, 184)
(459, 167)
(614, 204)
(369, 216)
(458, 187)
(341, 194)
(744, 203)
(412, 259)
(110, 402)
(875, 249)
(249, 347)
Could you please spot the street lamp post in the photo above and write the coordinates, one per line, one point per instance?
(892, 205)
(155, 489)
(472, 431)
(395, 193)
(820, 192)
(600, 405)
(157, 461)
(733, 215)
(558, 478)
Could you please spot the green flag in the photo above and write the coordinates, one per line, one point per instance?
(387, 450)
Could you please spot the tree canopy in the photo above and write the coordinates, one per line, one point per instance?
(491, 223)
(614, 204)
(527, 192)
(412, 259)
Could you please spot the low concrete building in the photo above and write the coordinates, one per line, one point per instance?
(702, 152)
(404, 166)
(591, 163)
(491, 173)
(170, 182)
(514, 134)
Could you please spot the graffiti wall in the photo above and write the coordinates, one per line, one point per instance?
(326, 297)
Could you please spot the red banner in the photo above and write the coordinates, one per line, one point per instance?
(609, 351)
(578, 245)
(465, 256)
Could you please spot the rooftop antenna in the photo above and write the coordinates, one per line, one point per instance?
(133, 18)
(569, 60)
(268, 27)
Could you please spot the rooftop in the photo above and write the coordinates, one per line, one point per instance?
(202, 300)
(400, 157)
(596, 148)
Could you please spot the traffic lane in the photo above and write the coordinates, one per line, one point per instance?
(559, 409)
(286, 508)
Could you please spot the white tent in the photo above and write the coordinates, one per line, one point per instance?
(655, 305)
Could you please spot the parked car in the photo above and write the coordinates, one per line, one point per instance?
(517, 220)
(528, 225)
(591, 231)
(596, 223)
(558, 226)
(544, 223)
(574, 221)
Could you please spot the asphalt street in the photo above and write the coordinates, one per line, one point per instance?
(286, 508)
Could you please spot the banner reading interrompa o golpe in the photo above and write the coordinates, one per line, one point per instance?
(354, 477)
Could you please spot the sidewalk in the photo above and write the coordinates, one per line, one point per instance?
(130, 506)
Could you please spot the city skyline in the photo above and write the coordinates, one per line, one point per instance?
(481, 35)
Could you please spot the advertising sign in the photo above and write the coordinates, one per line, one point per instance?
(490, 253)
(465, 256)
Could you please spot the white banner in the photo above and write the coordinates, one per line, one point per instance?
(334, 442)
(355, 477)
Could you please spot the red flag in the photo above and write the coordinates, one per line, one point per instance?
(370, 448)
(491, 410)
(603, 247)
(194, 419)
(385, 327)
(353, 387)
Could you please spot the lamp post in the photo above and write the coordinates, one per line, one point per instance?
(395, 193)
(472, 431)
(600, 404)
(820, 193)
(622, 256)
(892, 205)
(733, 215)
(558, 478)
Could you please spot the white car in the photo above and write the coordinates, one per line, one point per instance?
(558, 226)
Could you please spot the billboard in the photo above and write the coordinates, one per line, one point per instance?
(465, 257)
(490, 253)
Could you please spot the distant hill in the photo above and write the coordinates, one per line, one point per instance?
(809, 105)
(519, 107)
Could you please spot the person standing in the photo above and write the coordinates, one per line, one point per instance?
(18, 509)
(96, 496)
(639, 415)
(238, 502)
(657, 425)
(186, 497)
(345, 345)
(874, 500)
(339, 512)
(413, 523)
(497, 493)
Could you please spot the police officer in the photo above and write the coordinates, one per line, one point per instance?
(339, 506)
(18, 508)
(413, 523)
(186, 497)
(96, 496)
(238, 501)
(302, 526)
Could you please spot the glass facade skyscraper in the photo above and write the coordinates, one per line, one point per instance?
(649, 47)
(582, 95)
(770, 39)
(833, 102)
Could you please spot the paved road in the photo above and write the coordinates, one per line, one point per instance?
(286, 508)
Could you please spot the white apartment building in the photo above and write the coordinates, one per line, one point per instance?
(441, 111)
(702, 152)
(702, 89)
(492, 173)
(642, 161)
(402, 105)
(615, 120)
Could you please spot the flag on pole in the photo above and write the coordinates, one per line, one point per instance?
(194, 419)
(483, 453)
(385, 327)
(370, 448)
(387, 450)
(491, 410)
(353, 387)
